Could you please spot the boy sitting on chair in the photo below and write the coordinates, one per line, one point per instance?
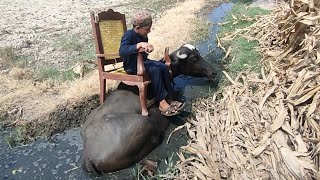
(131, 42)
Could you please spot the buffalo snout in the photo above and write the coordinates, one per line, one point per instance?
(211, 75)
(209, 70)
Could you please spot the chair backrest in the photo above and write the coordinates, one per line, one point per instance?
(108, 29)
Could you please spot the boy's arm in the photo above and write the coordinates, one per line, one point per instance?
(125, 47)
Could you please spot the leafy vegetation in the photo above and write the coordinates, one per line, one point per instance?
(244, 55)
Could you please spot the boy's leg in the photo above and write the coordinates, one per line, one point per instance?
(166, 76)
(168, 86)
(156, 77)
(158, 88)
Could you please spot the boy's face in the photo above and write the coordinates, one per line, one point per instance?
(144, 31)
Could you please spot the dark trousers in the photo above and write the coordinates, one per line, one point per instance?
(160, 79)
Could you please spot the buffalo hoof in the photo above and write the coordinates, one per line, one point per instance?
(149, 166)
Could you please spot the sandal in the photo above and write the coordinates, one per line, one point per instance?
(178, 106)
(170, 111)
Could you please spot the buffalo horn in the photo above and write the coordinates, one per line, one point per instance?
(181, 56)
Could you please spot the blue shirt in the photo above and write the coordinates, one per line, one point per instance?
(128, 50)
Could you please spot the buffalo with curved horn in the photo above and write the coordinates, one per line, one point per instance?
(116, 135)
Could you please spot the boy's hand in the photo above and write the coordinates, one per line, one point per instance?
(148, 47)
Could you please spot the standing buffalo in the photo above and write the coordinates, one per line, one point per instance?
(116, 135)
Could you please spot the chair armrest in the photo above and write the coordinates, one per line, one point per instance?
(140, 64)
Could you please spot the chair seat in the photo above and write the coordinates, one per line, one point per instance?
(120, 70)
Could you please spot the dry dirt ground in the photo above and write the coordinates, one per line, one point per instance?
(33, 29)
(37, 28)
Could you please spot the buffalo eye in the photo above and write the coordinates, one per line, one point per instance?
(195, 59)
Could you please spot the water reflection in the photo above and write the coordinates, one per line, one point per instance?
(58, 158)
(209, 45)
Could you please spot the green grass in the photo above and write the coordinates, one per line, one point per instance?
(2, 119)
(202, 31)
(80, 50)
(87, 52)
(156, 5)
(241, 1)
(15, 137)
(9, 58)
(22, 61)
(55, 75)
(74, 43)
(68, 43)
(170, 170)
(244, 55)
(239, 10)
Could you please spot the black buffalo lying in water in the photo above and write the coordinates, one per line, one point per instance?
(116, 135)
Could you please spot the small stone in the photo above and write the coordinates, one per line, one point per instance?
(5, 71)
(36, 163)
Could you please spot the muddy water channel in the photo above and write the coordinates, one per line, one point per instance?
(59, 157)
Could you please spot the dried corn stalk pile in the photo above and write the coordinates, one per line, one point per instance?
(266, 125)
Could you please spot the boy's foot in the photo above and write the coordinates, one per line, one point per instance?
(170, 111)
(178, 106)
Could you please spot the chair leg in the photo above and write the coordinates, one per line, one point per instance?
(143, 99)
(102, 90)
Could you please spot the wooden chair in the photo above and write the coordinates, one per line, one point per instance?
(108, 29)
